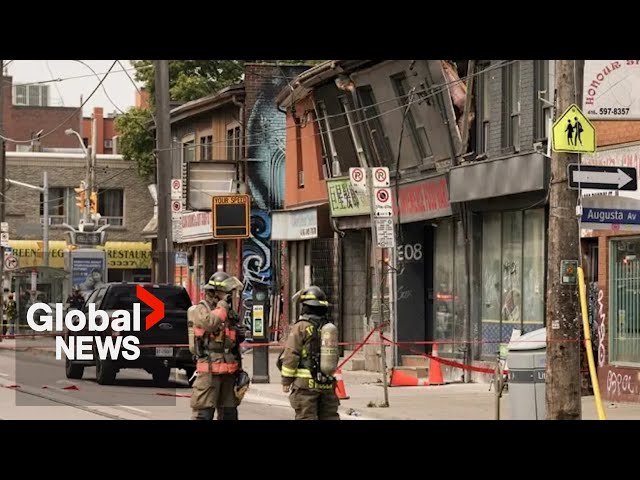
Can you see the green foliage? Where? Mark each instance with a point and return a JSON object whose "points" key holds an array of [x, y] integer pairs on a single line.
{"points": [[136, 142], [188, 80], [193, 79]]}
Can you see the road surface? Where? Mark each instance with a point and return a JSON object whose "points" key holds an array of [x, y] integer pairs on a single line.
{"points": [[45, 393]]}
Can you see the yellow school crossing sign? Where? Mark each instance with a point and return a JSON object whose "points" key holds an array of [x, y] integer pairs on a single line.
{"points": [[573, 132]]}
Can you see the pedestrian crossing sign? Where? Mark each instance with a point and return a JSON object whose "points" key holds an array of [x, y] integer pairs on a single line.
{"points": [[573, 132]]}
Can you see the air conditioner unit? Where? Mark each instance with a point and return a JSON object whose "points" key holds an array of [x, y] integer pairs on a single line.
{"points": [[108, 143]]}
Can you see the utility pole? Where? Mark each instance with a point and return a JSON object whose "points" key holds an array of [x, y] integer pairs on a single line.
{"points": [[87, 194], [3, 175], [165, 240], [562, 374], [94, 152]]}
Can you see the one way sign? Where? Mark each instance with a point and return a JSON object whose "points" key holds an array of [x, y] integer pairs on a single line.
{"points": [[600, 177]]}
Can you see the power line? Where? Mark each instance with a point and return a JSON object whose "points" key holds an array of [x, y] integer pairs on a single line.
{"points": [[153, 117], [75, 77], [75, 112], [46, 62], [85, 190], [103, 87], [433, 91]]}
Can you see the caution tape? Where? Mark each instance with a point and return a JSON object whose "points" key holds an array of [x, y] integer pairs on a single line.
{"points": [[445, 361]]}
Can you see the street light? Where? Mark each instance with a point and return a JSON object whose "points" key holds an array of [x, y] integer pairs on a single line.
{"points": [[71, 131], [87, 152]]}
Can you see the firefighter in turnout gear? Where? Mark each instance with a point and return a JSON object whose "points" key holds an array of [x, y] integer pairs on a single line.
{"points": [[215, 341], [304, 373]]}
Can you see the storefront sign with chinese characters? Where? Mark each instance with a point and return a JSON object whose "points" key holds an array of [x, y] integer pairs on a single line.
{"points": [[344, 200]]}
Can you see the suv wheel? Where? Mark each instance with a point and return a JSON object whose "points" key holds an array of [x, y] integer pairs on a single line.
{"points": [[161, 375], [105, 372], [72, 370]]}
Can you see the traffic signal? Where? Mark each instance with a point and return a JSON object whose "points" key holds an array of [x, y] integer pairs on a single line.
{"points": [[80, 197], [93, 201]]}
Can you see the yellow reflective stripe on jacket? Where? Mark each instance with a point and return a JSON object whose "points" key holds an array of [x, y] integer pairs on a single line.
{"points": [[288, 372], [303, 373], [298, 373]]}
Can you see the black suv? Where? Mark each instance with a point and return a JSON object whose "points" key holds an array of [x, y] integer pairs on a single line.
{"points": [[158, 360]]}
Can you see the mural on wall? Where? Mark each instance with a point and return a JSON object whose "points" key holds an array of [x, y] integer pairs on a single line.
{"points": [[265, 137]]}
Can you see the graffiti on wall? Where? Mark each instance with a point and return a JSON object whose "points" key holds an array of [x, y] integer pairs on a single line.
{"points": [[256, 260], [266, 136], [601, 333], [620, 384]]}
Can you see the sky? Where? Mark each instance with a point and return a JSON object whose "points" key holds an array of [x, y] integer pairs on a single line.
{"points": [[67, 92]]}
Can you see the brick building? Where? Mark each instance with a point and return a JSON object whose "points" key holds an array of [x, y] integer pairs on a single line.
{"points": [[105, 131], [123, 202], [27, 111]]}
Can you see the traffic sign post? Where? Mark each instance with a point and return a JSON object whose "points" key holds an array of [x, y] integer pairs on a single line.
{"points": [[601, 177], [10, 263], [573, 132], [358, 178], [176, 189]]}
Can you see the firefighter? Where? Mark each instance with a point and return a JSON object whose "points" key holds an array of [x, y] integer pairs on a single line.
{"points": [[311, 384], [215, 342]]}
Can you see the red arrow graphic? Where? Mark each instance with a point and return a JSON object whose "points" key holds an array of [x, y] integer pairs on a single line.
{"points": [[156, 305]]}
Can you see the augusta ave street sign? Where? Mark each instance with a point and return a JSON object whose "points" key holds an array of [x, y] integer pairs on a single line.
{"points": [[610, 216]]}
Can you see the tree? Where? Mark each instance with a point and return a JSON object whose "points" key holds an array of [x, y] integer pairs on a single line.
{"points": [[136, 141], [192, 79], [188, 80]]}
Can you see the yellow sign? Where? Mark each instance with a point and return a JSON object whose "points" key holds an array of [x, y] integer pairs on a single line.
{"points": [[29, 253], [573, 132], [120, 255]]}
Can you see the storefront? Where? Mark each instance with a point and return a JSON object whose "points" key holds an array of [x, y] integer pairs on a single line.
{"points": [[350, 210], [310, 251], [126, 261], [507, 233], [422, 250], [613, 255]]}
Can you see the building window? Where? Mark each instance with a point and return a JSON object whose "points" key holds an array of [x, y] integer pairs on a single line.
{"points": [[541, 109], [234, 151], [63, 206], [373, 125], [417, 132], [624, 301], [483, 86], [111, 206], [32, 95], [325, 130], [206, 147], [353, 129], [188, 151], [511, 106], [449, 286], [513, 275]]}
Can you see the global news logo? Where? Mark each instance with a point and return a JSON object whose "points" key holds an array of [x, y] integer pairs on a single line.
{"points": [[106, 341]]}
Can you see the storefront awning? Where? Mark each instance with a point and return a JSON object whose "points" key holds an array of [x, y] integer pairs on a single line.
{"points": [[120, 255]]}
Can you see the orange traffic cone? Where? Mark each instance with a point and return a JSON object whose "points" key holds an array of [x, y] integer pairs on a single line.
{"points": [[400, 378], [341, 392], [435, 370]]}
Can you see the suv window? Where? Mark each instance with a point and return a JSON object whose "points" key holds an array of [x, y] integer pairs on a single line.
{"points": [[124, 296]]}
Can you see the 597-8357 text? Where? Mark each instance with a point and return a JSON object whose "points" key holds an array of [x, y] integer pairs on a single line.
{"points": [[613, 111]]}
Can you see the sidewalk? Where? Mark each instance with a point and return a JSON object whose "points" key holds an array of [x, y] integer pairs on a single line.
{"points": [[457, 401]]}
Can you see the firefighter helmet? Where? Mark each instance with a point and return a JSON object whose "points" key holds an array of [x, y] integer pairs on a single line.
{"points": [[242, 384], [223, 281], [314, 297]]}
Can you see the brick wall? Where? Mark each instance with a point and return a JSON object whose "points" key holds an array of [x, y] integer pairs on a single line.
{"points": [[23, 204], [612, 132]]}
